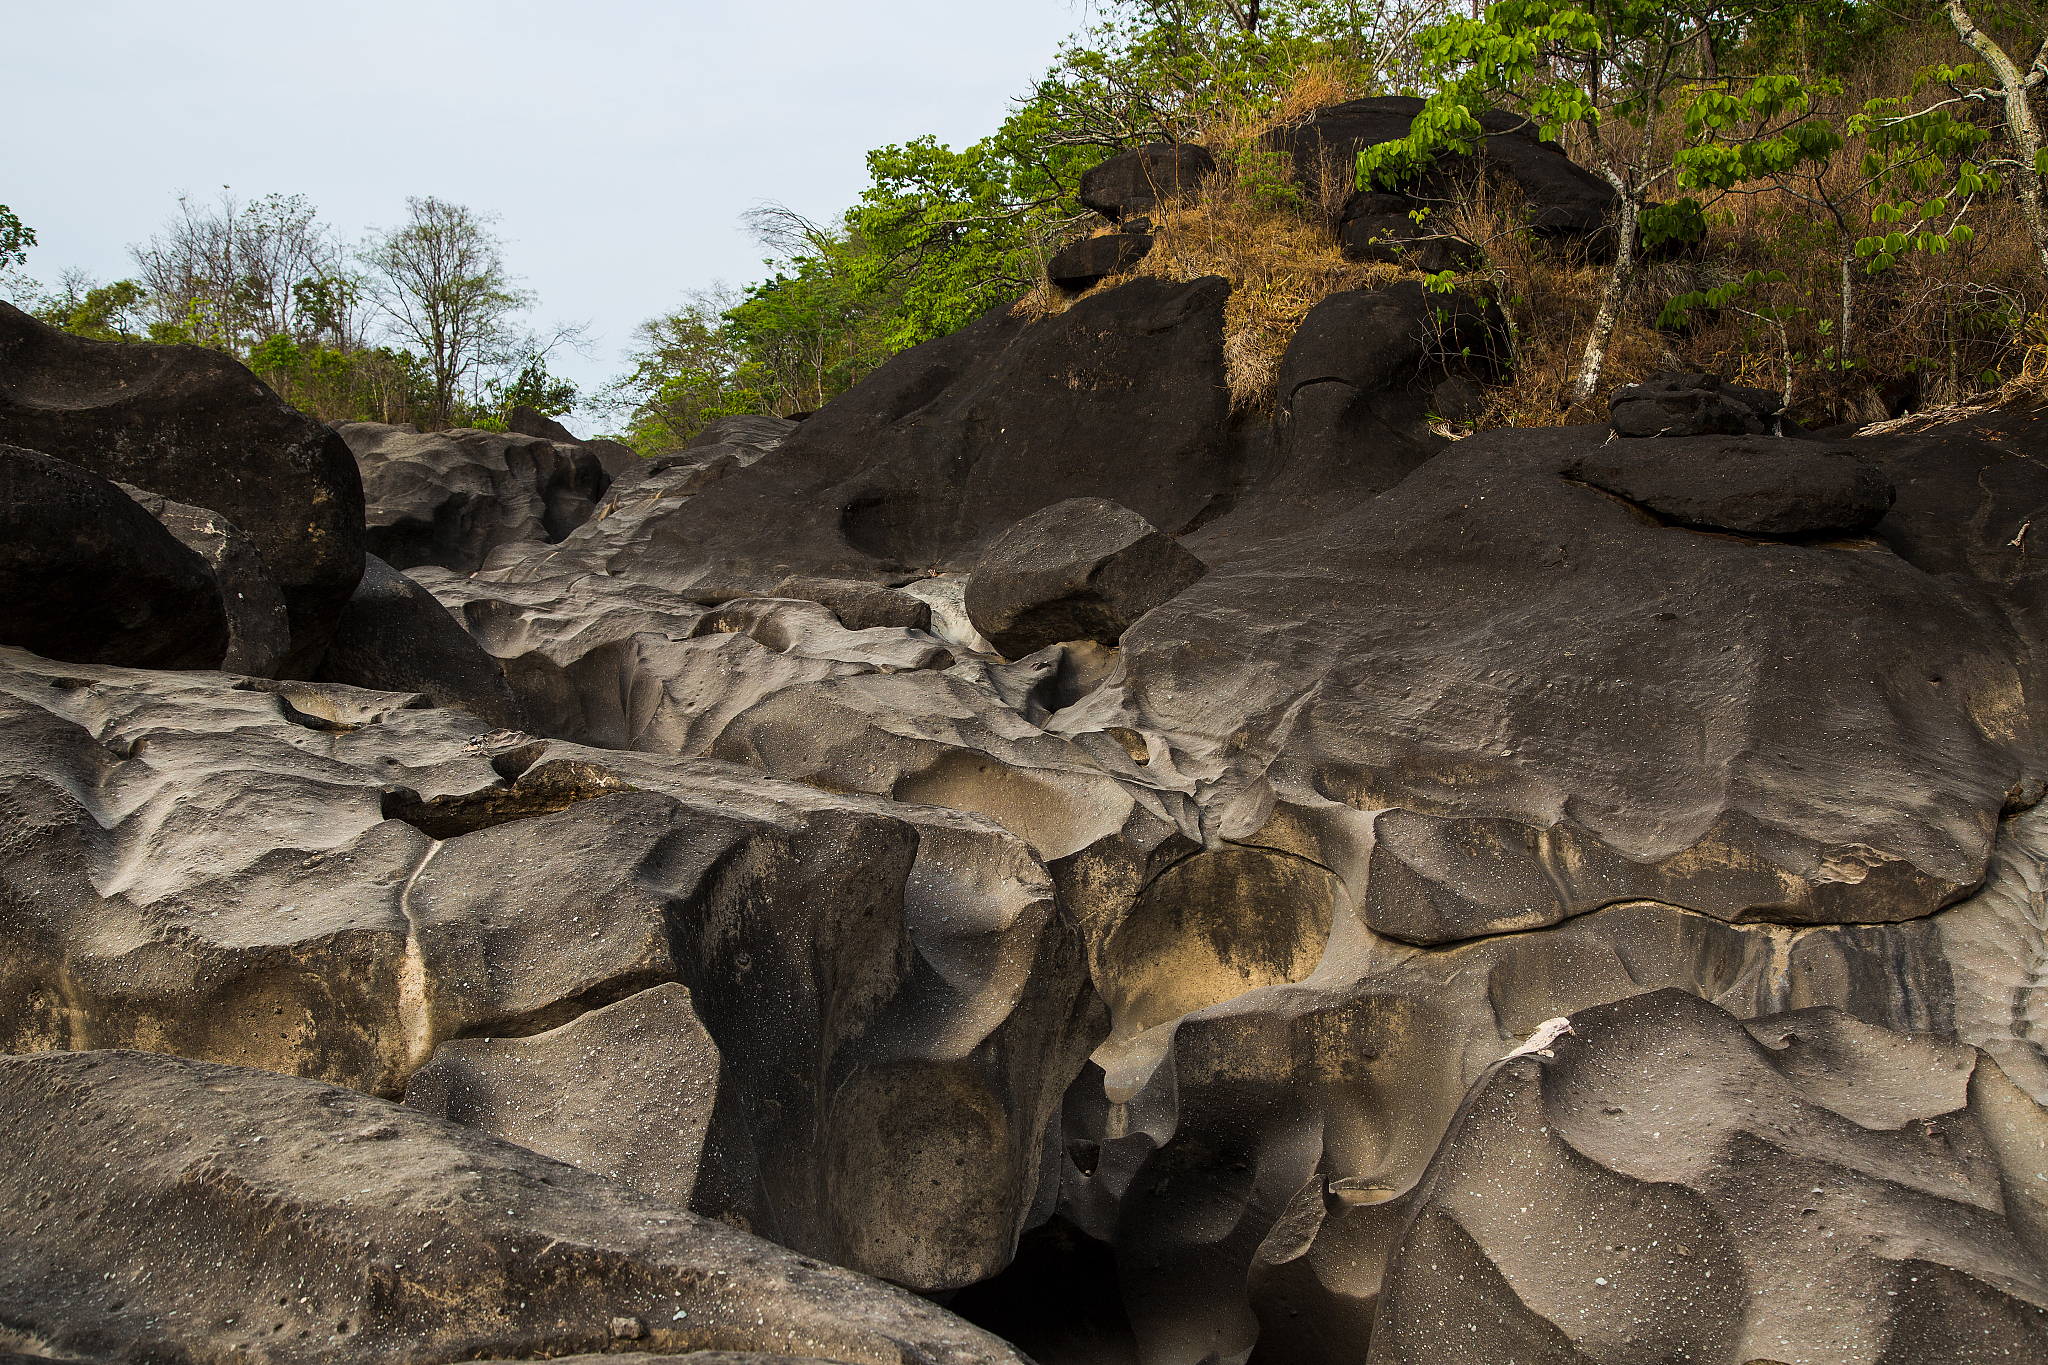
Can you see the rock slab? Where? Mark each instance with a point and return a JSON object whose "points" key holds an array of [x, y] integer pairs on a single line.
{"points": [[1083, 569]]}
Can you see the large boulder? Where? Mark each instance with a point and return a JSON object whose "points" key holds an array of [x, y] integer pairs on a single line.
{"points": [[1665, 1182], [1669, 404], [1083, 569], [448, 498], [1563, 199], [1757, 485], [1088, 262], [951, 442], [289, 1220], [1357, 388], [1143, 178], [259, 627], [195, 426], [615, 457], [394, 637], [87, 576]]}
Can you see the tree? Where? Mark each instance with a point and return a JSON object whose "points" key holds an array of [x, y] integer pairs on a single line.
{"points": [[1611, 70], [2017, 90], [105, 312], [16, 237], [440, 280], [227, 275], [689, 369]]}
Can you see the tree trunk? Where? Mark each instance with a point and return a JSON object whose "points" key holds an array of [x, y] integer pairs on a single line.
{"points": [[2020, 123], [1612, 296]]}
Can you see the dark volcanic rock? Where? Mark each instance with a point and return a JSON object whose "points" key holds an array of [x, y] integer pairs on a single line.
{"points": [[1692, 405], [1145, 177], [1678, 1184], [195, 426], [1088, 262], [1651, 712], [956, 440], [1756, 486], [758, 431], [394, 637], [292, 1221], [1563, 198], [88, 576], [1083, 569], [449, 498], [259, 627], [1400, 240], [614, 456], [1356, 390]]}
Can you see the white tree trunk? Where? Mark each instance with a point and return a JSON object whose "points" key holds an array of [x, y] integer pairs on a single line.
{"points": [[1613, 295], [2020, 123]]}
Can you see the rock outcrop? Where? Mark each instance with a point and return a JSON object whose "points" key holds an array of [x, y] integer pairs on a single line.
{"points": [[1562, 198], [1155, 948], [1693, 405], [87, 576], [259, 626], [193, 425], [450, 498], [289, 1220], [1143, 178], [1084, 569], [395, 637]]}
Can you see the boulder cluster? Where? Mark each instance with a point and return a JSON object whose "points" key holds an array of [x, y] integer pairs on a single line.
{"points": [[1404, 218], [1023, 862]]}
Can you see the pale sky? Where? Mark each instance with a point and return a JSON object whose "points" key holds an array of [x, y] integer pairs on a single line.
{"points": [[617, 140]]}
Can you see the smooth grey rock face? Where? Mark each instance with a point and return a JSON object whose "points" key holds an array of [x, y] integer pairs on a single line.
{"points": [[1806, 1188], [1084, 569], [449, 498], [394, 637], [409, 877], [289, 1220], [88, 576]]}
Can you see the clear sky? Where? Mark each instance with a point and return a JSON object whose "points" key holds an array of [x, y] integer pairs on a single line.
{"points": [[617, 140]]}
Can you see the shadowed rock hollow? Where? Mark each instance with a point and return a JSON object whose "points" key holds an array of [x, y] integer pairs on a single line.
{"points": [[1142, 982]]}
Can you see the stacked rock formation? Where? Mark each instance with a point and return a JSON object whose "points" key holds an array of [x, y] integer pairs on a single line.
{"points": [[1024, 836]]}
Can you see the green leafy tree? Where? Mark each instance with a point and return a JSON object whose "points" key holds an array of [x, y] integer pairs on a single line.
{"points": [[16, 237], [689, 369], [2017, 88], [1611, 71], [441, 282], [105, 312]]}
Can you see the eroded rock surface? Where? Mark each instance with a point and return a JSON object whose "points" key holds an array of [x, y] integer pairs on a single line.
{"points": [[449, 498], [1083, 569], [1805, 1189], [1151, 990], [290, 1220]]}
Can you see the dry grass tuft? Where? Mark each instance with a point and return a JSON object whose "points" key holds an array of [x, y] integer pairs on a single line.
{"points": [[1271, 239]]}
